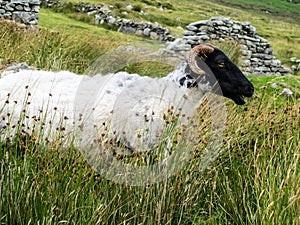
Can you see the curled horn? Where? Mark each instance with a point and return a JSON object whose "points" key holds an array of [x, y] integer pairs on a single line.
{"points": [[203, 49]]}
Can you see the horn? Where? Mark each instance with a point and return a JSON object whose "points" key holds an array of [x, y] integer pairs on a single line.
{"points": [[203, 49]]}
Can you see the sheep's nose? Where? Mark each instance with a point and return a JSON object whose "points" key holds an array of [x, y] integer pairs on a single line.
{"points": [[249, 90]]}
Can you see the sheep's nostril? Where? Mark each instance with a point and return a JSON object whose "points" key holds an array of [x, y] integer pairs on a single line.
{"points": [[249, 90]]}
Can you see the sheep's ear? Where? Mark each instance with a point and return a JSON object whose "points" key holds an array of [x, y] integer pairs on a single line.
{"points": [[199, 53]]}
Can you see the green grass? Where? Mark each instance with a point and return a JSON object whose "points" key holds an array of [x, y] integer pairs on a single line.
{"points": [[276, 7], [255, 180], [68, 45]]}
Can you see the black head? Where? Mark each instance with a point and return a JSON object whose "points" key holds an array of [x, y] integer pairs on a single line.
{"points": [[217, 68]]}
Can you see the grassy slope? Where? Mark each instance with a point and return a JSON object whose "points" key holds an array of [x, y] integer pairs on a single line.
{"points": [[282, 31], [254, 181]]}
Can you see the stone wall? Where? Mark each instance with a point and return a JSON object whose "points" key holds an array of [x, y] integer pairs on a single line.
{"points": [[21, 11], [51, 3], [257, 53], [103, 15]]}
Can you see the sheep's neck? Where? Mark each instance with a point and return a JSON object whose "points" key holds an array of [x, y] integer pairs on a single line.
{"points": [[185, 79]]}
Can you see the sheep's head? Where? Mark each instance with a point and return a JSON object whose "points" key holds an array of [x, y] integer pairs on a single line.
{"points": [[207, 61]]}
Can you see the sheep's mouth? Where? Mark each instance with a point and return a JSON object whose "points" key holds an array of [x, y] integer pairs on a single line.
{"points": [[239, 100]]}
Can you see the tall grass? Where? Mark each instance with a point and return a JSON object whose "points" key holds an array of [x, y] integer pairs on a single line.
{"points": [[254, 181], [46, 49]]}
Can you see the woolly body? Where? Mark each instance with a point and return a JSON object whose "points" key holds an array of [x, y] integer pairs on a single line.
{"points": [[124, 106], [128, 106]]}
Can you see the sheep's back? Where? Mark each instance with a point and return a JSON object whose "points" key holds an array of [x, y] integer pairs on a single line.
{"points": [[28, 98]]}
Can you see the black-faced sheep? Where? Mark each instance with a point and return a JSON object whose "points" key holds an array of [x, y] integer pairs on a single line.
{"points": [[121, 105]]}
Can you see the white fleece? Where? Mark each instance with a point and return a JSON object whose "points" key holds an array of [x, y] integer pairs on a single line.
{"points": [[125, 106]]}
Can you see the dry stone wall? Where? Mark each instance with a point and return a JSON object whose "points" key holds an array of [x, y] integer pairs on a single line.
{"points": [[103, 15], [257, 53], [21, 11]]}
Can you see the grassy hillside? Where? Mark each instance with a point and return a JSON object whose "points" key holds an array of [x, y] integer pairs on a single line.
{"points": [[278, 8], [281, 27], [255, 179]]}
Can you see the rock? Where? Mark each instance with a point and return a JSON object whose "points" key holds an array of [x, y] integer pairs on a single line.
{"points": [[236, 27], [262, 40], [204, 37], [9, 7], [254, 60], [194, 38], [19, 7], [269, 51], [275, 63], [267, 57], [251, 38], [191, 28], [34, 2], [111, 20], [260, 50], [130, 7], [178, 45], [198, 23], [154, 35], [262, 69], [252, 29], [147, 32], [213, 36], [128, 30], [223, 28], [246, 63], [23, 17], [139, 32], [287, 92], [28, 9], [244, 47], [274, 85], [285, 70], [16, 68], [188, 33]]}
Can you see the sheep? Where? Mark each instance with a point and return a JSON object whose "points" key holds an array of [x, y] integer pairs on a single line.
{"points": [[128, 107]]}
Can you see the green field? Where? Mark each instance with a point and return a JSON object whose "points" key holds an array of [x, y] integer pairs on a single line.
{"points": [[255, 179]]}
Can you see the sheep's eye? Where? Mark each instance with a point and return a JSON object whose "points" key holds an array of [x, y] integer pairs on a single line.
{"points": [[221, 65]]}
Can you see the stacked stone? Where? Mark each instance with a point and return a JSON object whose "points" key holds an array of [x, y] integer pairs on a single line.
{"points": [[147, 29], [257, 53], [104, 15], [21, 11], [51, 3]]}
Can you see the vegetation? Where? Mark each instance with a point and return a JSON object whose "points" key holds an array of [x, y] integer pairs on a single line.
{"points": [[255, 180], [280, 26]]}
